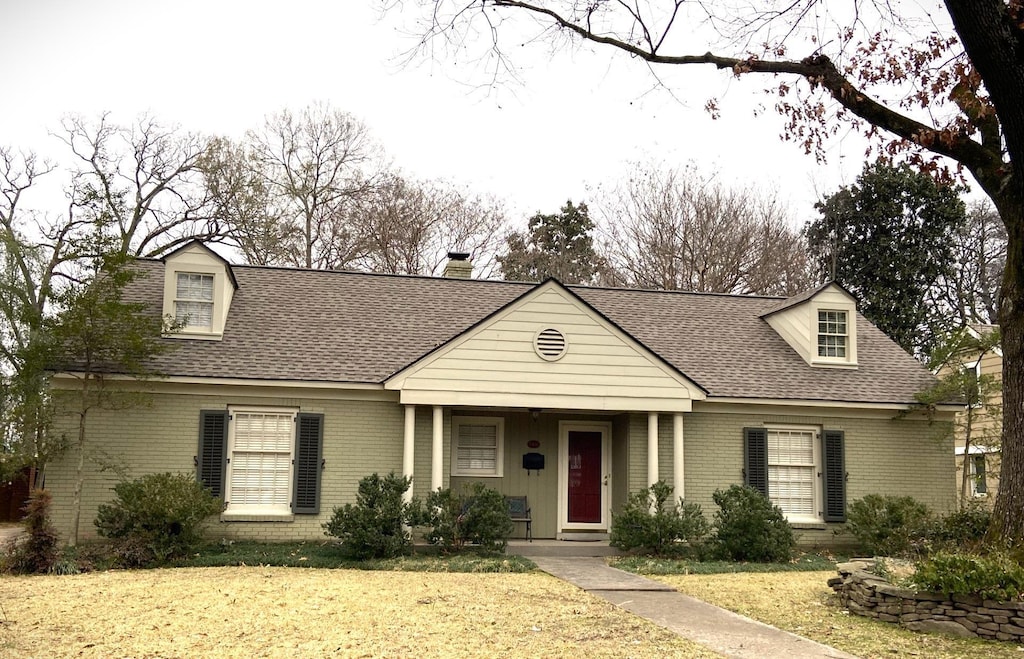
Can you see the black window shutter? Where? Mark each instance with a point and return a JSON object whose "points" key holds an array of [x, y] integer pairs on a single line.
{"points": [[212, 458], [755, 459], [834, 475], [309, 448]]}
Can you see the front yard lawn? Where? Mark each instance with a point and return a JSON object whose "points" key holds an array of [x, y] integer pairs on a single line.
{"points": [[802, 603], [272, 611]]}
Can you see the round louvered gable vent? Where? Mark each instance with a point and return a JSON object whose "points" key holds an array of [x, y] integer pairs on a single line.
{"points": [[550, 344]]}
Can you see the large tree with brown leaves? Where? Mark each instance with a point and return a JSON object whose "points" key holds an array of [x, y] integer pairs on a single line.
{"points": [[944, 86]]}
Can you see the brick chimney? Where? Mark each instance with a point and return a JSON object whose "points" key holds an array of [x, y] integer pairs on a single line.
{"points": [[458, 266]]}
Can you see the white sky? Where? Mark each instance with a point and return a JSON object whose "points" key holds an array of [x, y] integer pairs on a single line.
{"points": [[219, 66]]}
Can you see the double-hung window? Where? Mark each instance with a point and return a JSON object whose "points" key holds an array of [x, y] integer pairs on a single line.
{"points": [[193, 301], [793, 468], [477, 446], [259, 468], [833, 334]]}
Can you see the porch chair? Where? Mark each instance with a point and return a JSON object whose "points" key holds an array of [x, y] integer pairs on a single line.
{"points": [[519, 511]]}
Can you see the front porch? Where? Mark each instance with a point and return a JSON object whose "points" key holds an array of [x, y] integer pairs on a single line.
{"points": [[575, 467]]}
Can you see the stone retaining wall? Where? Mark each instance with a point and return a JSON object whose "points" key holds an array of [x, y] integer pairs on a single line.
{"points": [[867, 594]]}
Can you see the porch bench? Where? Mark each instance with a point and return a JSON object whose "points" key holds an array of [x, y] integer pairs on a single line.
{"points": [[519, 511]]}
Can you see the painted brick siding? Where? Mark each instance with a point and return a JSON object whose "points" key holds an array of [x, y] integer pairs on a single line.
{"points": [[885, 456], [360, 437]]}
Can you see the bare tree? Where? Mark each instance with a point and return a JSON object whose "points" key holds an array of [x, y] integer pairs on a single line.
{"points": [[242, 201], [315, 165], [143, 181], [969, 293], [408, 227], [674, 229]]}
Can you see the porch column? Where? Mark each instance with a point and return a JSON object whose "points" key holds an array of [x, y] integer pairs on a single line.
{"points": [[652, 448], [437, 451], [408, 449], [677, 458]]}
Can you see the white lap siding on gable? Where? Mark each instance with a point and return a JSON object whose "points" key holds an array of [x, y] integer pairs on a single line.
{"points": [[600, 361]]}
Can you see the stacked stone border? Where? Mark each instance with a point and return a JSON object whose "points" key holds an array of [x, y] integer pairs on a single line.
{"points": [[865, 593]]}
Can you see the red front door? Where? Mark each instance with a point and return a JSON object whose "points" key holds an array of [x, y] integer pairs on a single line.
{"points": [[585, 476]]}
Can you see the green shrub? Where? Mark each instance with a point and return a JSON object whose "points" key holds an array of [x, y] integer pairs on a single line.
{"points": [[994, 577], [376, 526], [888, 525], [667, 531], [962, 529], [156, 518], [749, 528], [477, 515], [37, 552]]}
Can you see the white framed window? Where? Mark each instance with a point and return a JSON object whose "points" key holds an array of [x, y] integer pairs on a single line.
{"points": [[833, 334], [193, 301], [261, 444], [979, 486], [972, 370], [478, 446], [794, 472]]}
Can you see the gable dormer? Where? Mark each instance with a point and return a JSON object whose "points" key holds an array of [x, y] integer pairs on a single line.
{"points": [[198, 288], [821, 326]]}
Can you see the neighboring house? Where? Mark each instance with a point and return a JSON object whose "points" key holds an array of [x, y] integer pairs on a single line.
{"points": [[982, 462], [286, 387]]}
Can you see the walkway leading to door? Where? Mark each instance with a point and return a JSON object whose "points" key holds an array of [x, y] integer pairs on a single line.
{"points": [[723, 631]]}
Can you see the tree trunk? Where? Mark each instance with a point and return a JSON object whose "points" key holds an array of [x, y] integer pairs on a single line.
{"points": [[76, 498], [1008, 515]]}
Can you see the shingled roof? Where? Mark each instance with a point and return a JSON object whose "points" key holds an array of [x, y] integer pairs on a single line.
{"points": [[348, 327]]}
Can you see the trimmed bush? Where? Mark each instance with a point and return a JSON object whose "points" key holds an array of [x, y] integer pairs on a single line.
{"points": [[749, 528], [888, 525], [993, 577], [156, 518], [376, 525], [650, 526], [477, 515], [38, 552]]}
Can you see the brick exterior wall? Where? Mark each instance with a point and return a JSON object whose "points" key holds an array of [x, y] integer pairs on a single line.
{"points": [[361, 437]]}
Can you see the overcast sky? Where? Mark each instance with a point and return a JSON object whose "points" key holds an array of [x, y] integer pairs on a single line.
{"points": [[220, 66]]}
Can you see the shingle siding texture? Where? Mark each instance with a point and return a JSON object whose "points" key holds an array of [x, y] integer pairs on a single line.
{"points": [[311, 325]]}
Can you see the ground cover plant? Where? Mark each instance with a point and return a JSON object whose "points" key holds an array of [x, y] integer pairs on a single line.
{"points": [[648, 565], [282, 612], [326, 555]]}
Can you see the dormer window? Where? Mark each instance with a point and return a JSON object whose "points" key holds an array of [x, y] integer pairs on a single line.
{"points": [[833, 335], [193, 301], [820, 325], [198, 288]]}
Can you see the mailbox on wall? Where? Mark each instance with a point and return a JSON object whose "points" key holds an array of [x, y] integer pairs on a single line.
{"points": [[532, 461]]}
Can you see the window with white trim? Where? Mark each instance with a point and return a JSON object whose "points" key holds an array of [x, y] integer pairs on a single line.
{"points": [[979, 488], [193, 301], [833, 334], [477, 446], [972, 385], [794, 472], [259, 469]]}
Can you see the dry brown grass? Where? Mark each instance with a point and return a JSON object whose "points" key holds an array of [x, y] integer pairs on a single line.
{"points": [[268, 612], [801, 602]]}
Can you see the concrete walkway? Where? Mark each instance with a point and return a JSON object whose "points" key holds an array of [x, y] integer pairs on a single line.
{"points": [[723, 631]]}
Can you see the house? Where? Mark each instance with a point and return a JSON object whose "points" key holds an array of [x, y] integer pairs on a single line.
{"points": [[982, 456], [285, 387]]}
